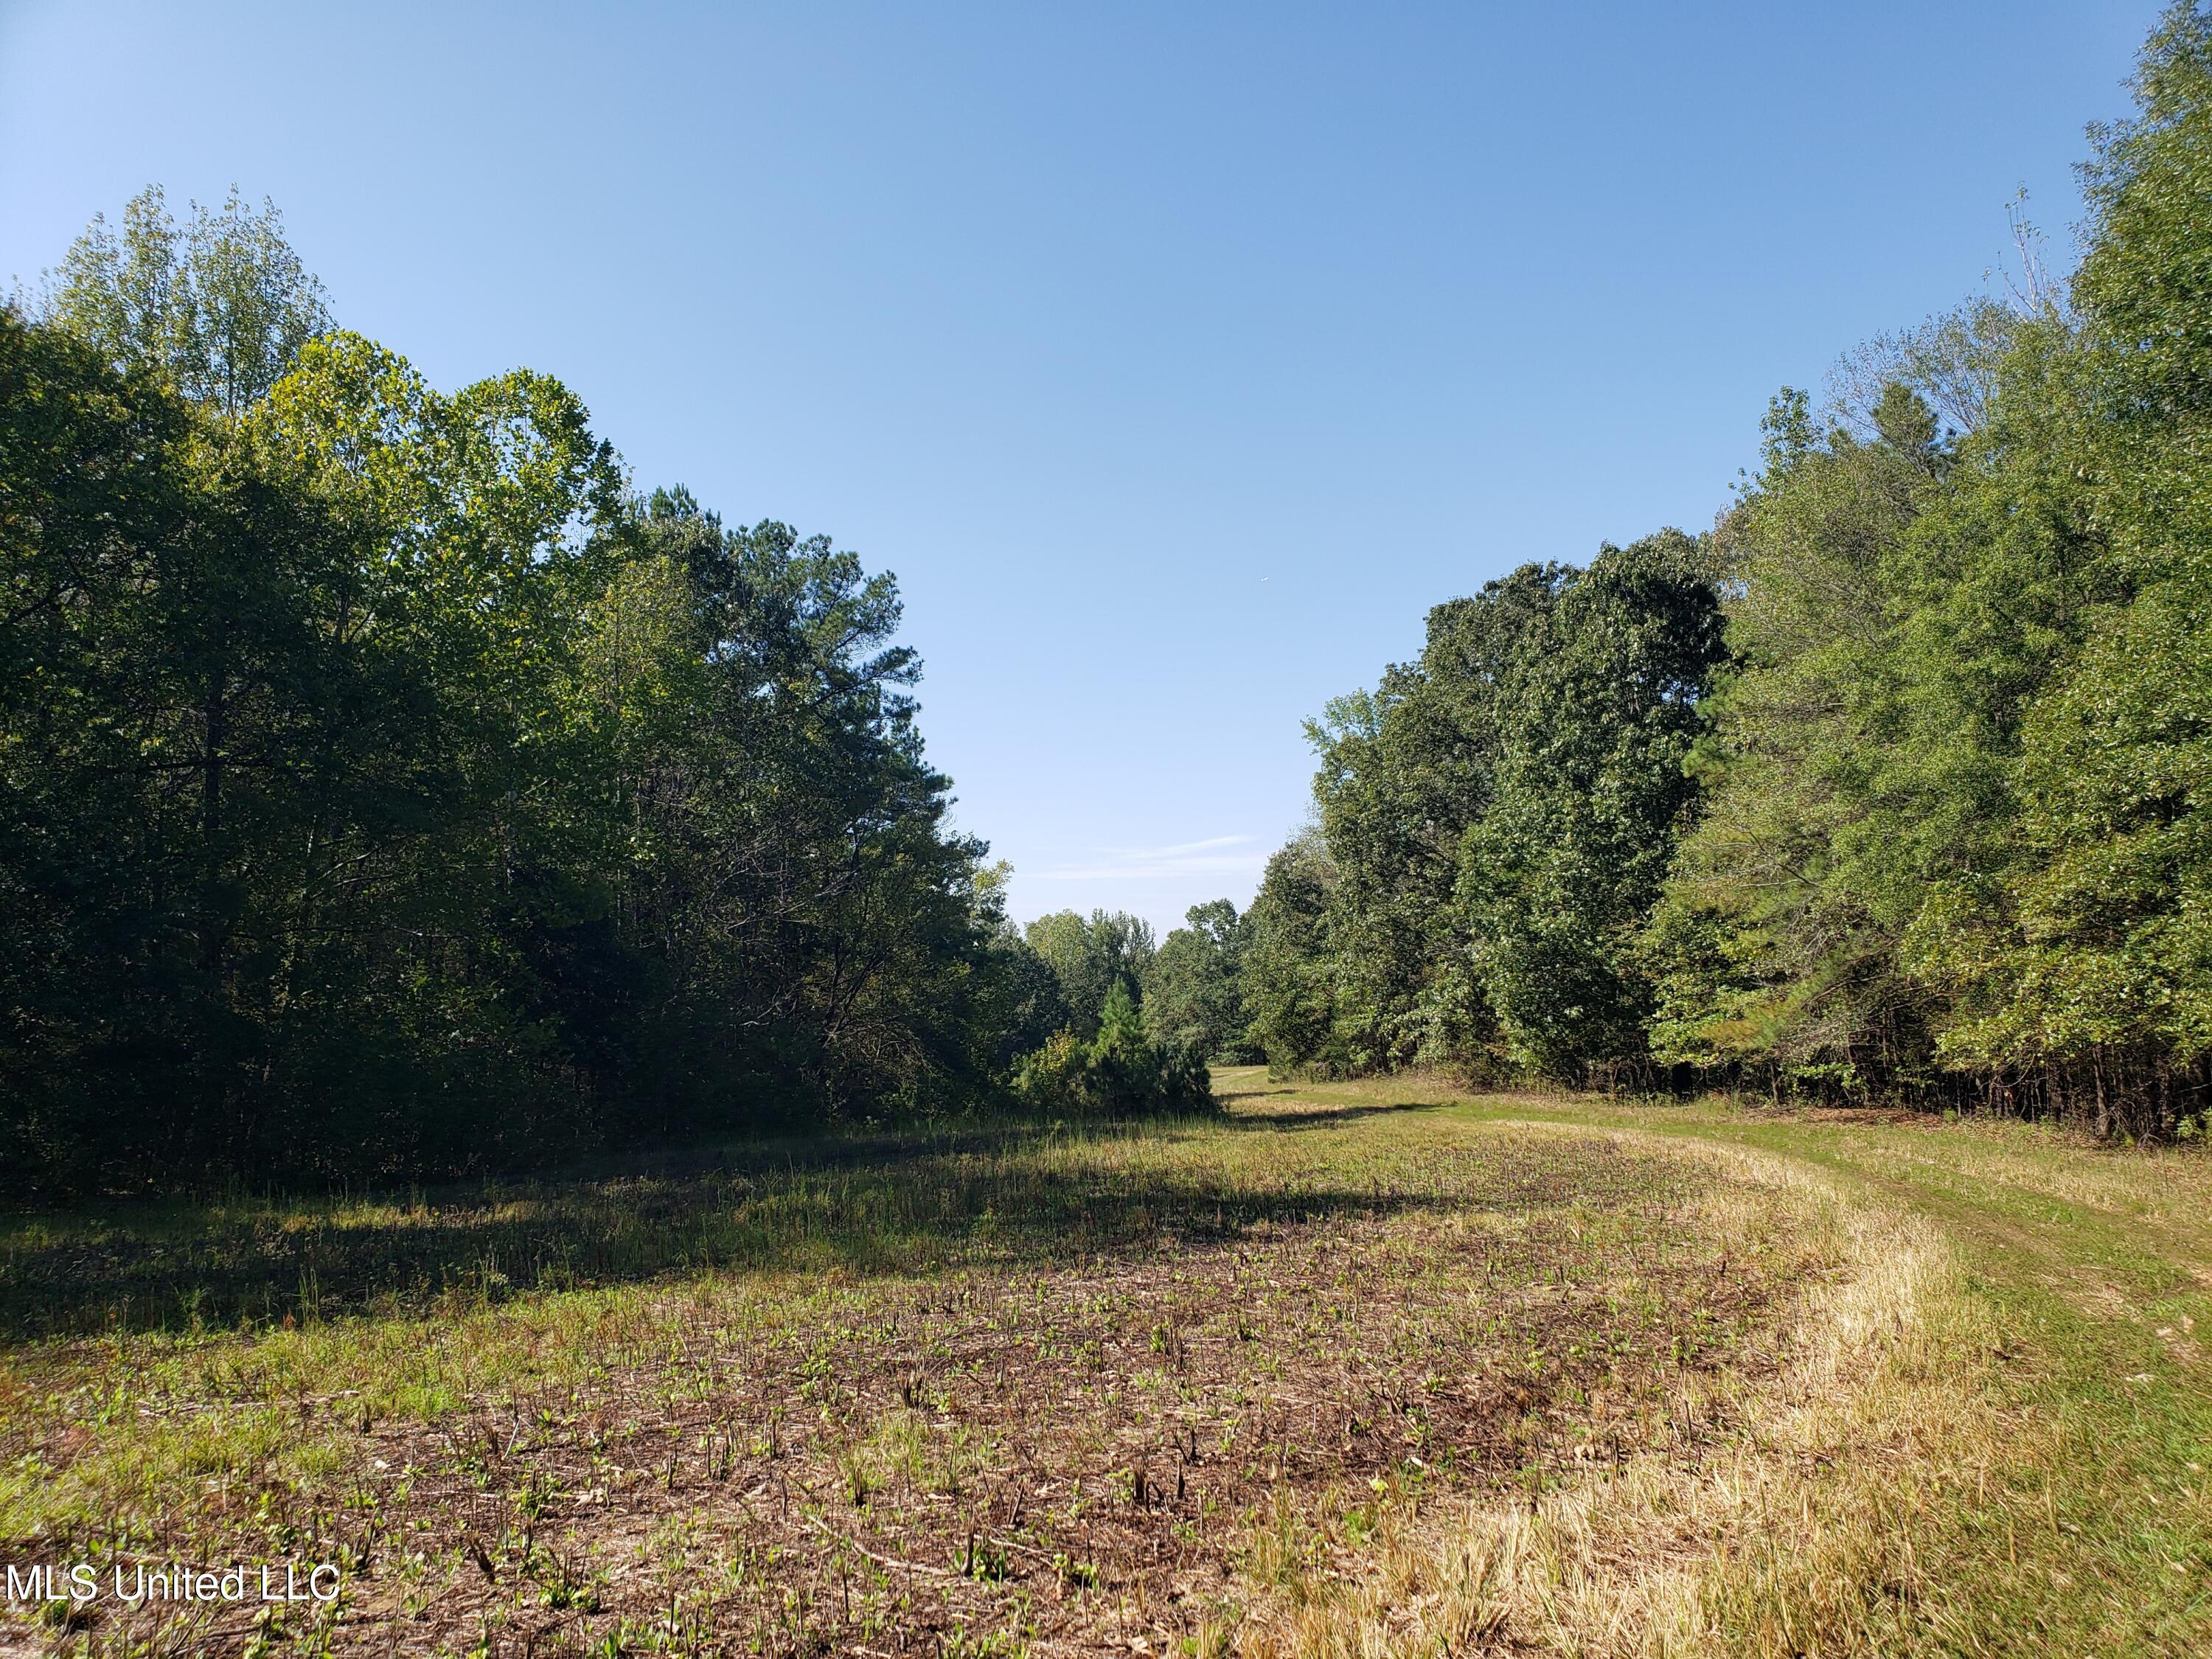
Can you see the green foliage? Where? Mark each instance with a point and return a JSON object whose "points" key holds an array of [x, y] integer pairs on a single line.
{"points": [[1090, 955], [1288, 988], [1956, 840], [1131, 1072], [1023, 1003], [1193, 993], [1929, 821], [389, 790], [1497, 819], [1404, 771], [223, 307], [2088, 950], [1121, 1071], [1777, 944], [1600, 709]]}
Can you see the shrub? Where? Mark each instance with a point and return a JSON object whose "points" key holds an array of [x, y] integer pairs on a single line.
{"points": [[1120, 1072]]}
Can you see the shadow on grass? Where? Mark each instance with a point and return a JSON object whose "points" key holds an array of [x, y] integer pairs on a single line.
{"points": [[1011, 1196], [1328, 1117]]}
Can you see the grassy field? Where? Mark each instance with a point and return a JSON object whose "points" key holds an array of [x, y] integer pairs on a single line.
{"points": [[1356, 1368]]}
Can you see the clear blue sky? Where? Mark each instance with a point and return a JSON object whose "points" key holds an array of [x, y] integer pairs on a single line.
{"points": [[1176, 357]]}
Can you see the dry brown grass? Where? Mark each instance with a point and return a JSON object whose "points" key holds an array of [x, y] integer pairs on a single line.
{"points": [[1760, 1536], [1989, 1435]]}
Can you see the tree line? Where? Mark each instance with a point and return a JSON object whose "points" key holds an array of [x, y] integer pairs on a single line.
{"points": [[392, 789], [1897, 783], [1135, 1020]]}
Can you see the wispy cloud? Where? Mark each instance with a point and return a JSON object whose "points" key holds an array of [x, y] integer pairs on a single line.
{"points": [[1217, 856]]}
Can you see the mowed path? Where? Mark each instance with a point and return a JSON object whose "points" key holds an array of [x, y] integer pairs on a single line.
{"points": [[1355, 1368]]}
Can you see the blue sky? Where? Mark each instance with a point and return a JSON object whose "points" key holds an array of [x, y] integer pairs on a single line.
{"points": [[1177, 358]]}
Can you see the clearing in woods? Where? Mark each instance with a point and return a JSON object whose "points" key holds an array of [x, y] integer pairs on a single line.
{"points": [[1360, 1368]]}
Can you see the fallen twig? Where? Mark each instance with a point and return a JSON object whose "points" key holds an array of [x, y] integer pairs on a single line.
{"points": [[829, 1531]]}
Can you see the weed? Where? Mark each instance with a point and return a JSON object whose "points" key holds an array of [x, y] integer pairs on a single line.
{"points": [[1355, 1368]]}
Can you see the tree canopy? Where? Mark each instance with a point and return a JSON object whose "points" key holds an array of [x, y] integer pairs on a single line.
{"points": [[1895, 783], [390, 788]]}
